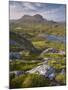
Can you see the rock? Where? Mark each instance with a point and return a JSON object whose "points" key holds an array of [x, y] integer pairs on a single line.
{"points": [[15, 55], [45, 70], [49, 50], [17, 73]]}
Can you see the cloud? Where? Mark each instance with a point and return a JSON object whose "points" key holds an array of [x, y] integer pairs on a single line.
{"points": [[49, 11]]}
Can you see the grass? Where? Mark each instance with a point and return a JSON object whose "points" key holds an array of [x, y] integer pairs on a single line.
{"points": [[17, 65], [61, 79], [58, 64], [37, 28], [29, 80], [53, 55], [42, 44], [31, 31], [39, 44]]}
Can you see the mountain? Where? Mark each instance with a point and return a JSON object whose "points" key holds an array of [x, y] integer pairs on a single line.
{"points": [[27, 18], [37, 18]]}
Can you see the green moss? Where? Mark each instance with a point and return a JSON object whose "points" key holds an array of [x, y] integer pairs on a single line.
{"points": [[58, 64], [20, 65]]}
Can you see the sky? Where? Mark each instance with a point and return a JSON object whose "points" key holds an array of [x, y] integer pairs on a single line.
{"points": [[54, 12]]}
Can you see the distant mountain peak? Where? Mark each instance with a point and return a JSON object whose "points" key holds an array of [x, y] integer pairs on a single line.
{"points": [[34, 18], [25, 16], [37, 16]]}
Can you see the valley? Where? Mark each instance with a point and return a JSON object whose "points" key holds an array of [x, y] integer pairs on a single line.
{"points": [[37, 52]]}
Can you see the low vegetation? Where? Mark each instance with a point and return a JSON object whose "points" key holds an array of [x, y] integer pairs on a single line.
{"points": [[30, 45], [29, 80], [20, 65]]}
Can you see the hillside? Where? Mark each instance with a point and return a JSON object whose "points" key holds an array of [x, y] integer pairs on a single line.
{"points": [[21, 42], [37, 24]]}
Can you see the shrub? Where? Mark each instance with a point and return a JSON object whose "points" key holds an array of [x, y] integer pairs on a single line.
{"points": [[35, 80], [61, 79], [29, 80]]}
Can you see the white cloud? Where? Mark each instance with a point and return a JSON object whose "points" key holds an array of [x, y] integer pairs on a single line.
{"points": [[29, 6], [18, 9]]}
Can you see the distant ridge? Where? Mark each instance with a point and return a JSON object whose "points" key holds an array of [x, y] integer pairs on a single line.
{"points": [[37, 18], [24, 43]]}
